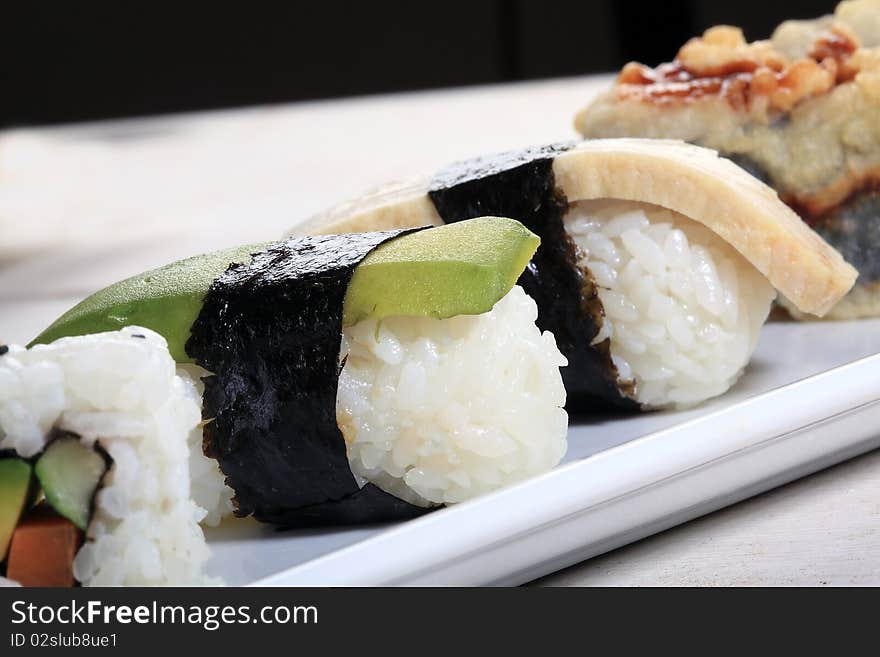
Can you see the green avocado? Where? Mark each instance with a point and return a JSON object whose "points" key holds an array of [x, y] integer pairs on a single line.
{"points": [[69, 473], [15, 491], [458, 269], [166, 300]]}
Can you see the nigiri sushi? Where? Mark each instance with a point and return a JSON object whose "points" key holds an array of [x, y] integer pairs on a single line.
{"points": [[800, 111], [334, 379], [658, 260]]}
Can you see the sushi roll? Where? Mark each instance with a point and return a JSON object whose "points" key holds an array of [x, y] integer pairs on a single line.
{"points": [[799, 111], [658, 260], [320, 380], [103, 426]]}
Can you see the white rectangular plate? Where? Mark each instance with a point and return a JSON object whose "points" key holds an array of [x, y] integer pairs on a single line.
{"points": [[128, 196], [810, 398]]}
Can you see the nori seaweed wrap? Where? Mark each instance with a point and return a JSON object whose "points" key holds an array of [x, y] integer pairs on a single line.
{"points": [[521, 184]]}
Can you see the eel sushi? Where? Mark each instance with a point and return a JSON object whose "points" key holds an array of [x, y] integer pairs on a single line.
{"points": [[801, 111], [658, 260], [320, 380]]}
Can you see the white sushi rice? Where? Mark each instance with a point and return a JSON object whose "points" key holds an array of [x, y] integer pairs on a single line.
{"points": [[208, 486], [121, 390], [683, 309], [441, 410]]}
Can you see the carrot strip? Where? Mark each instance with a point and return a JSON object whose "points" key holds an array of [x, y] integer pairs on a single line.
{"points": [[42, 549]]}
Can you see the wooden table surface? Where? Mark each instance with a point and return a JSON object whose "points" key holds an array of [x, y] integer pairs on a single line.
{"points": [[83, 206]]}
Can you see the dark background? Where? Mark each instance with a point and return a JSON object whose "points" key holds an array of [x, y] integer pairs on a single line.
{"points": [[73, 61]]}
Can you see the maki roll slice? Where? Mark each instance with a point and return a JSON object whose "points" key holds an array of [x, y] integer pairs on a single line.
{"points": [[320, 380], [799, 111], [106, 426], [658, 260]]}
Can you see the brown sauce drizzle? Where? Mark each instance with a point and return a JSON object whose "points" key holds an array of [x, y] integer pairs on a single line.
{"points": [[742, 80]]}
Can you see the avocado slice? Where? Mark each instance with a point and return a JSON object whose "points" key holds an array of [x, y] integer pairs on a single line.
{"points": [[69, 473], [458, 269], [166, 300], [15, 491]]}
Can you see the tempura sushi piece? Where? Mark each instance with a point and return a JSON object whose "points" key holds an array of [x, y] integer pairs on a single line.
{"points": [[102, 425], [800, 111], [357, 378], [658, 260]]}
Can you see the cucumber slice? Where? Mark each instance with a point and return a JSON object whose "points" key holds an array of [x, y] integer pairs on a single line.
{"points": [[15, 487], [69, 473]]}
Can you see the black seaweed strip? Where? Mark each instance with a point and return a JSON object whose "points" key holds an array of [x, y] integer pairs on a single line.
{"points": [[270, 332], [853, 228], [521, 185], [749, 165]]}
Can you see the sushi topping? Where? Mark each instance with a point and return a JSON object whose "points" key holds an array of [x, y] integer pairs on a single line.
{"points": [[458, 269], [748, 75], [522, 185], [270, 333], [165, 300]]}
